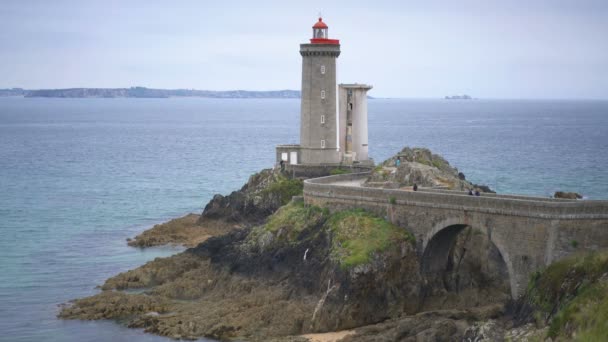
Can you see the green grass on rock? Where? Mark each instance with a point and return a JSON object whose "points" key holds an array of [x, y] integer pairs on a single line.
{"points": [[295, 217], [574, 291], [339, 171], [358, 234], [285, 188]]}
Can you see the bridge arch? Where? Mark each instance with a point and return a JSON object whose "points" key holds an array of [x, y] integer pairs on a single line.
{"points": [[440, 239]]}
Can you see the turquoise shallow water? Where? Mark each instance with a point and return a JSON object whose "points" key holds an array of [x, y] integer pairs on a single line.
{"points": [[79, 176]]}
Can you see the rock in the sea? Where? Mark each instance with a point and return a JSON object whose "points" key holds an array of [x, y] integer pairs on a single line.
{"points": [[567, 195]]}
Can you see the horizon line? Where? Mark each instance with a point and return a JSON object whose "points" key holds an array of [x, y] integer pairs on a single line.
{"points": [[375, 97]]}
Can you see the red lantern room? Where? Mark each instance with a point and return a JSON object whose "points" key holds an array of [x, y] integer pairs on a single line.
{"points": [[319, 34]]}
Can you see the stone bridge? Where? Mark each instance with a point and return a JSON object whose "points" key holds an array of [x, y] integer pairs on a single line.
{"points": [[529, 232]]}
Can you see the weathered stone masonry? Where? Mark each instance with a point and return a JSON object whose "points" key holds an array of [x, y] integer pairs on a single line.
{"points": [[529, 232]]}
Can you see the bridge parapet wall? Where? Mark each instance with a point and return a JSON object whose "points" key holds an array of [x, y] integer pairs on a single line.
{"points": [[495, 204], [485, 194]]}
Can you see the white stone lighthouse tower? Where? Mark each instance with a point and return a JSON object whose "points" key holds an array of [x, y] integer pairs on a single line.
{"points": [[328, 135]]}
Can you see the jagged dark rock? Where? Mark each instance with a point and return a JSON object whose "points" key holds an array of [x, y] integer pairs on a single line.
{"points": [[484, 188], [261, 196], [567, 195]]}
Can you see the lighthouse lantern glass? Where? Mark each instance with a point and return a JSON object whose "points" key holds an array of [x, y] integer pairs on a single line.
{"points": [[320, 33]]}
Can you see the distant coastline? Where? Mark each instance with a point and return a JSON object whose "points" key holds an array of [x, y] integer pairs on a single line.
{"points": [[459, 97], [143, 92]]}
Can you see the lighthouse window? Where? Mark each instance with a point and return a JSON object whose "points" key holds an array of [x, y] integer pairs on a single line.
{"points": [[323, 94], [322, 119], [322, 143], [323, 69]]}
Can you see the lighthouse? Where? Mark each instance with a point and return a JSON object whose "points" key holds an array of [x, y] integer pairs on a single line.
{"points": [[319, 139], [329, 135]]}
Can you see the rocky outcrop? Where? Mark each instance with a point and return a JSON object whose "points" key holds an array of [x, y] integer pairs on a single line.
{"points": [[567, 195], [570, 297], [306, 270], [421, 167], [440, 325], [261, 196], [186, 231], [115, 305]]}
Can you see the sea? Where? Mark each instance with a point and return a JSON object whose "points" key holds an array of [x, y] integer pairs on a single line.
{"points": [[80, 176]]}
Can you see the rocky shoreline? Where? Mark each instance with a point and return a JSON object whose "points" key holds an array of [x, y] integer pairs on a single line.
{"points": [[263, 267], [188, 231]]}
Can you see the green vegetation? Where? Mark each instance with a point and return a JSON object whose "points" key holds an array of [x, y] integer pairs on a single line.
{"points": [[425, 162], [382, 172], [295, 218], [339, 171], [574, 243], [574, 292], [437, 163], [586, 314], [285, 188], [440, 164], [357, 235], [392, 200]]}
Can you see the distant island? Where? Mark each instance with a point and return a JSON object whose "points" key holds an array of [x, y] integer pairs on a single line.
{"points": [[459, 97], [142, 92]]}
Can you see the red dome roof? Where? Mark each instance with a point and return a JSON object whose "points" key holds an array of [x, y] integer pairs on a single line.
{"points": [[320, 24]]}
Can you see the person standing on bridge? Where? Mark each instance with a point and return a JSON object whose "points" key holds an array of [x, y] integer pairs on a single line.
{"points": [[415, 187]]}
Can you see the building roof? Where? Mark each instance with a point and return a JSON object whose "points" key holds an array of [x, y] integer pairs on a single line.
{"points": [[355, 86], [320, 24]]}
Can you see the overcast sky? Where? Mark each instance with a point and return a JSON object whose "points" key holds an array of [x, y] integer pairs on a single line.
{"points": [[413, 49]]}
